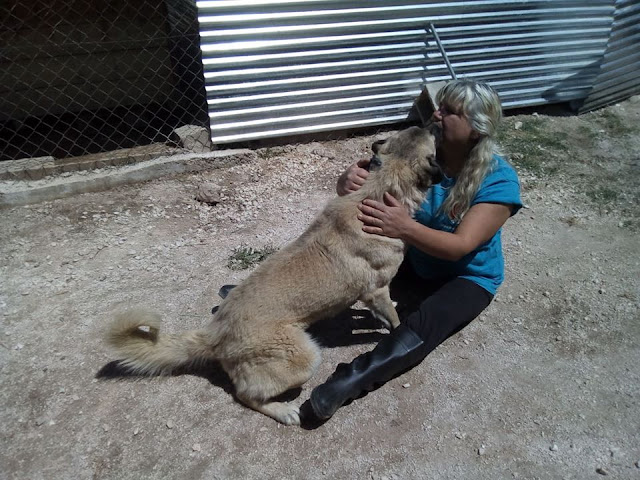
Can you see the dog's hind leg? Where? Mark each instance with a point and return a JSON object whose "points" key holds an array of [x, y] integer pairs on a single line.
{"points": [[381, 306], [281, 367]]}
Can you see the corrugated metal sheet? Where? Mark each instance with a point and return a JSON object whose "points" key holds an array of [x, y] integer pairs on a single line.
{"points": [[276, 68], [619, 76]]}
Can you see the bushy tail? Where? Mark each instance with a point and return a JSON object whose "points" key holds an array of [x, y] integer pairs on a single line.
{"points": [[136, 338]]}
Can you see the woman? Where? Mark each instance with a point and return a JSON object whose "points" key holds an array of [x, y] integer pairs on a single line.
{"points": [[454, 261]]}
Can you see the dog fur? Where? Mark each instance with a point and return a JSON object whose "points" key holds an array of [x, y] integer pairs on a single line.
{"points": [[258, 333]]}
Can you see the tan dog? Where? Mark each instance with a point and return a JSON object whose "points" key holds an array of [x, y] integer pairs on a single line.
{"points": [[258, 333]]}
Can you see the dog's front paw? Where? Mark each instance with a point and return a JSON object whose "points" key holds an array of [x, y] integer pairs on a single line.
{"points": [[288, 415]]}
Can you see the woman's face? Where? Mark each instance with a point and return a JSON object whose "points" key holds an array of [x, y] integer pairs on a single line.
{"points": [[456, 129]]}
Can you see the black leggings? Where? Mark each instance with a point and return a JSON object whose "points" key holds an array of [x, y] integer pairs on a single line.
{"points": [[435, 310]]}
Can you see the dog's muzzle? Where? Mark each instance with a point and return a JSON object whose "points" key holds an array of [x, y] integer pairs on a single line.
{"points": [[375, 163]]}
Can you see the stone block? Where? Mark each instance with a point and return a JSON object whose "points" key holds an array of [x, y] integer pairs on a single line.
{"points": [[193, 138]]}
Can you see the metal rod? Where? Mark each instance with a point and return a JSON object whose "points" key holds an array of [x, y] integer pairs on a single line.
{"points": [[442, 52]]}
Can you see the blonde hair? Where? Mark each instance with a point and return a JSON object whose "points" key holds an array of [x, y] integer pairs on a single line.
{"points": [[481, 105]]}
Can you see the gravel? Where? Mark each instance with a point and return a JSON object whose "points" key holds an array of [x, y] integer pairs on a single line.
{"points": [[544, 384]]}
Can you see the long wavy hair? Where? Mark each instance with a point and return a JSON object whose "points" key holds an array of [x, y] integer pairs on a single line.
{"points": [[480, 104]]}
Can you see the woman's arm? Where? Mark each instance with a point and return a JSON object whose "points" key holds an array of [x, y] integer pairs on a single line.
{"points": [[391, 219], [353, 178]]}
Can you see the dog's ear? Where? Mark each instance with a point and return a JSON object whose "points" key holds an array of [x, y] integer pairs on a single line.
{"points": [[376, 146]]}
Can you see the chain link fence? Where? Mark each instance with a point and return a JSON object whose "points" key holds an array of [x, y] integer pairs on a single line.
{"points": [[88, 76]]}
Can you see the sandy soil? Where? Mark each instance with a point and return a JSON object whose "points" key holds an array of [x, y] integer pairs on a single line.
{"points": [[545, 384]]}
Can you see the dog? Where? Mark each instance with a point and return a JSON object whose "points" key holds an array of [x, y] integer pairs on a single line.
{"points": [[258, 332]]}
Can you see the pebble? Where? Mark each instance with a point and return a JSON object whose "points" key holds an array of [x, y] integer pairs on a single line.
{"points": [[170, 424], [105, 428], [406, 385], [196, 447], [136, 431], [481, 450], [553, 448], [601, 471]]}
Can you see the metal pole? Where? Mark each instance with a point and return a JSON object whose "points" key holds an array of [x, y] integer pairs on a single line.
{"points": [[442, 52]]}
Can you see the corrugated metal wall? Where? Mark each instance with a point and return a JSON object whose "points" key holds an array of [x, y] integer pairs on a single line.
{"points": [[619, 75], [277, 68]]}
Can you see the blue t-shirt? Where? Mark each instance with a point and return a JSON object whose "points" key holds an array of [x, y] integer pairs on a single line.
{"points": [[485, 265]]}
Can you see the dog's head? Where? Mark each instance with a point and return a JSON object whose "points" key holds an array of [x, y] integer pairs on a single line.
{"points": [[415, 147]]}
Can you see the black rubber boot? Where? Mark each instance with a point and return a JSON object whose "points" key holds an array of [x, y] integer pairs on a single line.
{"points": [[222, 293], [395, 353], [224, 290]]}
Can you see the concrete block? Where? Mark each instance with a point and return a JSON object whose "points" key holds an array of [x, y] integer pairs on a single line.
{"points": [[194, 138]]}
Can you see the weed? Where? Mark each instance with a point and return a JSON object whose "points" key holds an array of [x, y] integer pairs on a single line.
{"points": [[532, 146], [532, 125], [602, 195], [613, 124], [244, 257]]}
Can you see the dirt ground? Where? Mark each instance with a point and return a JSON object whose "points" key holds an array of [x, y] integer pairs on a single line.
{"points": [[545, 384]]}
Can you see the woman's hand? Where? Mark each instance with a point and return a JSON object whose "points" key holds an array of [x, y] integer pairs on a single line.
{"points": [[353, 178], [389, 218]]}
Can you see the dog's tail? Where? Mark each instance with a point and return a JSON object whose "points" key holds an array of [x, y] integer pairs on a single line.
{"points": [[135, 336]]}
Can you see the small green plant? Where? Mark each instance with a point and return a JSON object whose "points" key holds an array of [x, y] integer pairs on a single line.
{"points": [[532, 125], [244, 257], [532, 146], [613, 125], [603, 195]]}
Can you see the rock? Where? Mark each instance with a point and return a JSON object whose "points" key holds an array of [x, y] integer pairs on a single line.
{"points": [[601, 471], [196, 447], [209, 194], [170, 424], [553, 448], [517, 125]]}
